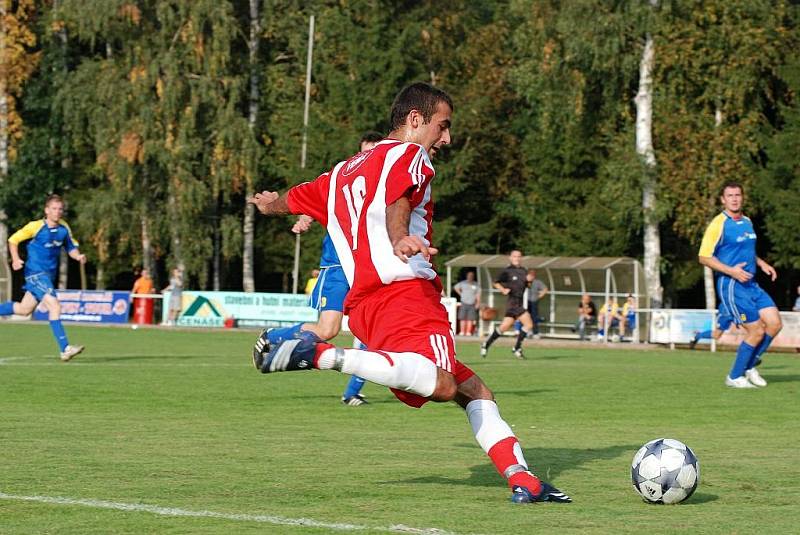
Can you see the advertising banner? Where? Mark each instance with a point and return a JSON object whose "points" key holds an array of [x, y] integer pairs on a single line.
{"points": [[211, 309], [673, 326], [678, 326], [92, 306]]}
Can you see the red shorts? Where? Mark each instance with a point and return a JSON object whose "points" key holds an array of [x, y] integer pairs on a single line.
{"points": [[408, 316]]}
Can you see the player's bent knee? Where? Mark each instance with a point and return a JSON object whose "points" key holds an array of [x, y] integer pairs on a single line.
{"points": [[446, 387]]}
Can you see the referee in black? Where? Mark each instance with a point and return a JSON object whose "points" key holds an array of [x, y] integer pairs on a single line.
{"points": [[512, 281]]}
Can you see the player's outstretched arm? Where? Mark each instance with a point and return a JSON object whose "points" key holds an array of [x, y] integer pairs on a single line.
{"points": [[16, 261], [766, 268], [270, 203], [77, 255], [302, 224]]}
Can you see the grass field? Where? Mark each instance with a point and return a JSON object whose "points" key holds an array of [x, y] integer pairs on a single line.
{"points": [[158, 431]]}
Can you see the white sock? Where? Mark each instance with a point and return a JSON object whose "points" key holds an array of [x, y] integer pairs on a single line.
{"points": [[405, 371], [488, 426]]}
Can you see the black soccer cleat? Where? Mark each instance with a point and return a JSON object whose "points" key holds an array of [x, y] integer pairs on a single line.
{"points": [[294, 354], [355, 401], [548, 493], [261, 349]]}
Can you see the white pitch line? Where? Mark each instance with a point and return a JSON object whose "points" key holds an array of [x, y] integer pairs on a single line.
{"points": [[267, 519]]}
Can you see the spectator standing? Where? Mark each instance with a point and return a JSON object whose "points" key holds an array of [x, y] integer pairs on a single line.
{"points": [[144, 284], [536, 292], [469, 293], [175, 297]]}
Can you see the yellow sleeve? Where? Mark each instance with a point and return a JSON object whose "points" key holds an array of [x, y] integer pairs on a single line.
{"points": [[27, 232], [69, 231], [712, 236]]}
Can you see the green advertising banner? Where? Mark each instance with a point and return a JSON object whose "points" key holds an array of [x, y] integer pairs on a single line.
{"points": [[211, 309]]}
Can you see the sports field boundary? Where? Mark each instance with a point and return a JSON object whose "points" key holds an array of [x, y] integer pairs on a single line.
{"points": [[237, 517]]}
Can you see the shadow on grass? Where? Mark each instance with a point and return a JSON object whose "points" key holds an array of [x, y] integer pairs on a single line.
{"points": [[123, 358], [780, 378], [523, 393], [555, 357], [546, 463], [700, 497]]}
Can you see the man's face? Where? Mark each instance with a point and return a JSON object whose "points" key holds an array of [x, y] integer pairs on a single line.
{"points": [[145, 274], [585, 298], [732, 200], [53, 211], [433, 134], [470, 276], [515, 258]]}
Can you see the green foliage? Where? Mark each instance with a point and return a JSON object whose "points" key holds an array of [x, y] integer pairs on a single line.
{"points": [[140, 110]]}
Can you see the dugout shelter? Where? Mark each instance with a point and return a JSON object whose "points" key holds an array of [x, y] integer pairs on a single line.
{"points": [[567, 278]]}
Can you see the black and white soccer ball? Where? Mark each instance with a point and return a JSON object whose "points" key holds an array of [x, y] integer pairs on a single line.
{"points": [[665, 470]]}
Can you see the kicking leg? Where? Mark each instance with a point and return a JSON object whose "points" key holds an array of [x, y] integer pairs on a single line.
{"points": [[497, 439]]}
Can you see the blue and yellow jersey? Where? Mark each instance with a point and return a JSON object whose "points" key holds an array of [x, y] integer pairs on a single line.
{"points": [[45, 245], [329, 256], [731, 241]]}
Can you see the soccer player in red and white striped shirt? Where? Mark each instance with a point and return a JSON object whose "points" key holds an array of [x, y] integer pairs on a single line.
{"points": [[377, 207]]}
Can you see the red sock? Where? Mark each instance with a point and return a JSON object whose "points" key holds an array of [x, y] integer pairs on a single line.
{"points": [[322, 346], [502, 455]]}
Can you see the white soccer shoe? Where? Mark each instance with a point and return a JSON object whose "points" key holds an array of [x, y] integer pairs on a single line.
{"points": [[754, 377], [69, 352], [739, 382]]}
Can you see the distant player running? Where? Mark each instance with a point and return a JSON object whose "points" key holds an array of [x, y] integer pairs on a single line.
{"points": [[47, 236], [729, 248], [378, 207], [327, 296], [723, 323], [512, 282]]}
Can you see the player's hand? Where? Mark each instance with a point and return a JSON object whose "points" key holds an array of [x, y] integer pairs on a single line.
{"points": [[408, 246], [17, 264], [81, 258], [303, 224], [769, 270], [263, 199], [505, 291], [740, 274]]}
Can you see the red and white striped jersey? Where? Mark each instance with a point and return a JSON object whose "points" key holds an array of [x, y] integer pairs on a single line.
{"points": [[351, 200]]}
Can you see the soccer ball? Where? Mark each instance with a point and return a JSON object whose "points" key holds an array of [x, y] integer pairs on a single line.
{"points": [[665, 470]]}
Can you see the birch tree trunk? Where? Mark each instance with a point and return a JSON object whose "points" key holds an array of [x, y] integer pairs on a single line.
{"points": [[63, 270], [175, 236], [644, 148], [248, 227], [147, 247], [5, 291], [708, 273]]}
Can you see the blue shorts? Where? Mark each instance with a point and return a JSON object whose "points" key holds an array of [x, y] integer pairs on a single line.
{"points": [[330, 290], [742, 301], [724, 320], [39, 285]]}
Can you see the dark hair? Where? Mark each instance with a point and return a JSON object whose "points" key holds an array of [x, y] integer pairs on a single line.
{"points": [[371, 137], [53, 198], [730, 184], [418, 96]]}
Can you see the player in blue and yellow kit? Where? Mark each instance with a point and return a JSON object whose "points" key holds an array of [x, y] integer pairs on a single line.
{"points": [[327, 297], [45, 239], [729, 248]]}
